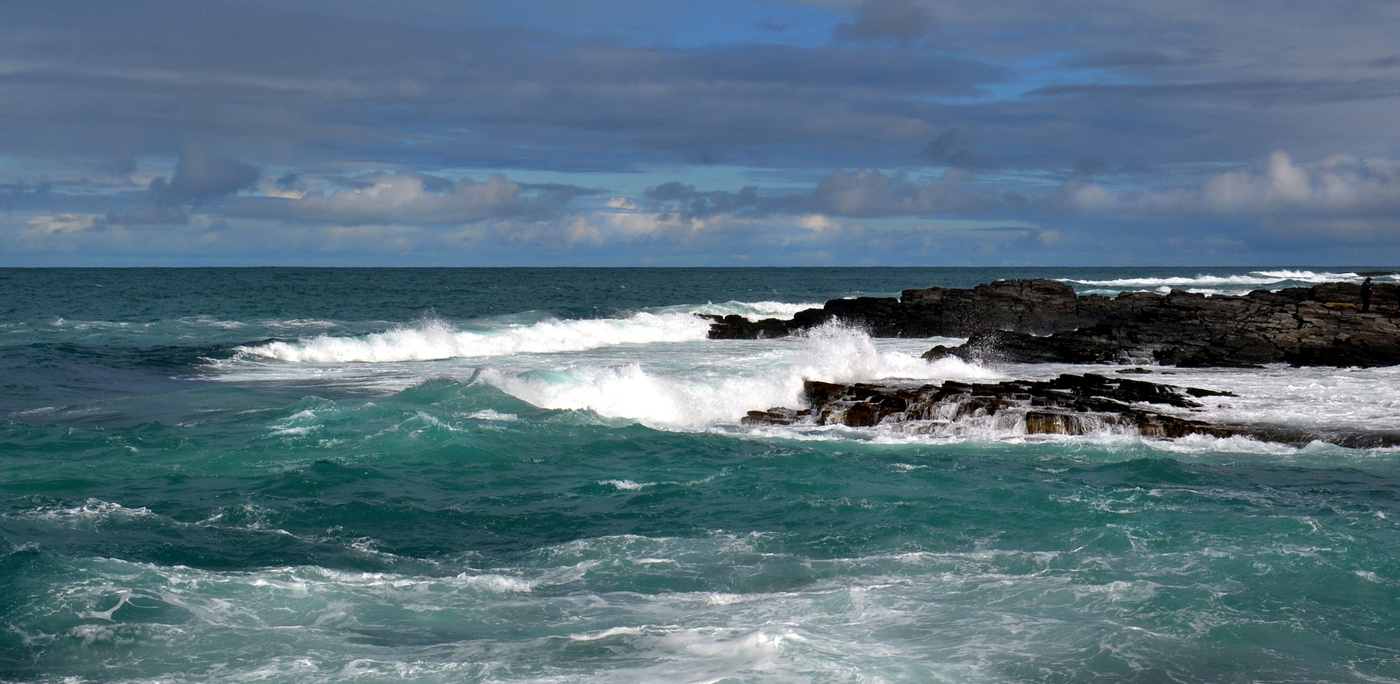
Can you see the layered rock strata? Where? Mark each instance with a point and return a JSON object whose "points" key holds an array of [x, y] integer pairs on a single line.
{"points": [[1066, 405], [1028, 321]]}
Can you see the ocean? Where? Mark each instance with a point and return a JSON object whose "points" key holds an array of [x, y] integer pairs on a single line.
{"points": [[540, 475]]}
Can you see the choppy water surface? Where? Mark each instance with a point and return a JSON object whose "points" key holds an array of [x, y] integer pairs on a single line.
{"points": [[540, 475]]}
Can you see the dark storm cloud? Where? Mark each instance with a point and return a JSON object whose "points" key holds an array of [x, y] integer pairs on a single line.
{"points": [[887, 19], [865, 194], [121, 166], [949, 149], [302, 83], [24, 195], [855, 194], [1125, 58], [273, 81], [202, 174], [150, 215], [1088, 166], [1261, 93]]}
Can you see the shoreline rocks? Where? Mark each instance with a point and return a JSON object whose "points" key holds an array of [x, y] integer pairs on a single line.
{"points": [[1040, 321], [1066, 405]]}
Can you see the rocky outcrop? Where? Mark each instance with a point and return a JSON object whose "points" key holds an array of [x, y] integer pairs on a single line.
{"points": [[1031, 321], [1035, 306], [1066, 405]]}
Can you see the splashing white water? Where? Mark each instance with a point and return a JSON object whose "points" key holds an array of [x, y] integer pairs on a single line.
{"points": [[723, 393], [752, 310], [435, 340], [1232, 282], [658, 368]]}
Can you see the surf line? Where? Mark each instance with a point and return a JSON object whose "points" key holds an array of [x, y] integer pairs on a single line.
{"points": [[1045, 321]]}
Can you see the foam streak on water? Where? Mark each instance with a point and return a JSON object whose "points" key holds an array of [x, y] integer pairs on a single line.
{"points": [[1230, 284]]}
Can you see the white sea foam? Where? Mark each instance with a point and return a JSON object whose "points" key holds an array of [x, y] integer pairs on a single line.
{"points": [[498, 583], [300, 323], [1213, 284], [607, 634], [1308, 398], [494, 416], [752, 310], [435, 339], [853, 617], [723, 393], [91, 512], [212, 322]]}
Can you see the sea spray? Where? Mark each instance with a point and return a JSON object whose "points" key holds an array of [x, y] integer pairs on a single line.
{"points": [[435, 339], [690, 398], [1231, 284]]}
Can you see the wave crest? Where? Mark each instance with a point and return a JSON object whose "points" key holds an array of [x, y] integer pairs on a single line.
{"points": [[434, 339], [1253, 278], [831, 353], [754, 310]]}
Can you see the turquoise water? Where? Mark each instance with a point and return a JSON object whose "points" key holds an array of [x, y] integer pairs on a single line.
{"points": [[539, 475]]}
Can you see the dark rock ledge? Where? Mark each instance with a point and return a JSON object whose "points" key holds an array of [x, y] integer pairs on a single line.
{"points": [[1066, 405], [1031, 321]]}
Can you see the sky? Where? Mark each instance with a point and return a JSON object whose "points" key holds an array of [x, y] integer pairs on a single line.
{"points": [[699, 133]]}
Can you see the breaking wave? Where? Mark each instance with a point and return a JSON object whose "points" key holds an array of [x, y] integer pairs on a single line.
{"points": [[725, 393], [753, 310], [435, 339], [1227, 283]]}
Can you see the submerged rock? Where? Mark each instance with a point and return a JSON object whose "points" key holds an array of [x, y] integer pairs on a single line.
{"points": [[1067, 405], [1039, 321]]}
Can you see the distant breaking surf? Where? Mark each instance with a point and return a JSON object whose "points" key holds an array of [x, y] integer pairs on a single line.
{"points": [[1253, 278]]}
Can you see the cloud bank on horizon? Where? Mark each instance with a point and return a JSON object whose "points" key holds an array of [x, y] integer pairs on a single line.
{"points": [[699, 132]]}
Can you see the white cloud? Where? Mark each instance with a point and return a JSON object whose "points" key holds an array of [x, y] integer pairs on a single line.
{"points": [[406, 198], [1339, 186], [1090, 197], [816, 222], [63, 223]]}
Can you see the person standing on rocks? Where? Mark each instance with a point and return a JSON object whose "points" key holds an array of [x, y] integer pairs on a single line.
{"points": [[1366, 296]]}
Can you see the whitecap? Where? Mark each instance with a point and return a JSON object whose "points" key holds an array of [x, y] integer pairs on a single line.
{"points": [[501, 584], [753, 310], [91, 511], [1218, 284], [435, 339], [494, 416], [607, 634], [724, 393]]}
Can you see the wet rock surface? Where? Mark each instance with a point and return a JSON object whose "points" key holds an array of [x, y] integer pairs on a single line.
{"points": [[1037, 321], [1067, 405]]}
